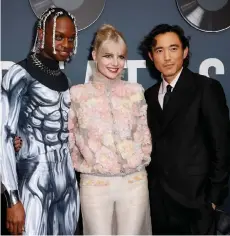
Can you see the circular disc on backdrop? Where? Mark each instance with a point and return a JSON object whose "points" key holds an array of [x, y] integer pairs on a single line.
{"points": [[206, 15], [86, 12]]}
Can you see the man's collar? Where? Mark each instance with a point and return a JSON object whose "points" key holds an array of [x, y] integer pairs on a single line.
{"points": [[165, 83]]}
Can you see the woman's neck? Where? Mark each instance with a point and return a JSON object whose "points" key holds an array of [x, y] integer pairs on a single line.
{"points": [[99, 78]]}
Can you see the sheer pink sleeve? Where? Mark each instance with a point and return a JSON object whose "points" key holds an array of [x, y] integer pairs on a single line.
{"points": [[73, 130]]}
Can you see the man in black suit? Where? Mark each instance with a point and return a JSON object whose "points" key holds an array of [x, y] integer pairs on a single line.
{"points": [[189, 122]]}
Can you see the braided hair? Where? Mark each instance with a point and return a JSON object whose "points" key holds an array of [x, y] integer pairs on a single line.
{"points": [[49, 14]]}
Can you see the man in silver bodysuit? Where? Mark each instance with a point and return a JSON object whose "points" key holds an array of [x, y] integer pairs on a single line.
{"points": [[41, 189]]}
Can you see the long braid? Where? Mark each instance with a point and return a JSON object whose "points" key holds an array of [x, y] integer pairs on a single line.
{"points": [[54, 29], [44, 28], [38, 44], [76, 36], [46, 15]]}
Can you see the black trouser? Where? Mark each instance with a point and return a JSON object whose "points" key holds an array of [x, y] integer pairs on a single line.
{"points": [[171, 218]]}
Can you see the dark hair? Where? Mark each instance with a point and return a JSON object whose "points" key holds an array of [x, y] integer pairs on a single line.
{"points": [[51, 12], [149, 40]]}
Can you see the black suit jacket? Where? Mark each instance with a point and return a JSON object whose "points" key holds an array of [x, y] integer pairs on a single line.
{"points": [[191, 140]]}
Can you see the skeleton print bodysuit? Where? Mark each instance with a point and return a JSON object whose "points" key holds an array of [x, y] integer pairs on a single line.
{"points": [[35, 101]]}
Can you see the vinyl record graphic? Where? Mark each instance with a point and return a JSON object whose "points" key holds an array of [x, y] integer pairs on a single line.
{"points": [[86, 12], [206, 15]]}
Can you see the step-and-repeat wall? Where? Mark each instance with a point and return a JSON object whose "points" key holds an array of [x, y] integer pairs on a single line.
{"points": [[205, 21]]}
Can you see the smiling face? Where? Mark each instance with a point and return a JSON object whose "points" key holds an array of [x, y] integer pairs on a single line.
{"points": [[64, 39], [110, 58], [168, 55]]}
